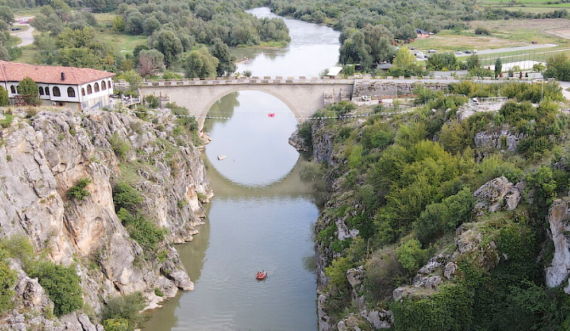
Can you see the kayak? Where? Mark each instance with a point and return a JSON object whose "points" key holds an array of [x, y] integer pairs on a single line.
{"points": [[261, 275]]}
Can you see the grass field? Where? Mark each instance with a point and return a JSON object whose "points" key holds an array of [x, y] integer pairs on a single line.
{"points": [[124, 43]]}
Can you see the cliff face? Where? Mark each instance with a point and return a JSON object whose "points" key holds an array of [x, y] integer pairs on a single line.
{"points": [[42, 157]]}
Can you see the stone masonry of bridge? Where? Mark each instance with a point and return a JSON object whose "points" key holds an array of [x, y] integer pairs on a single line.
{"points": [[304, 96]]}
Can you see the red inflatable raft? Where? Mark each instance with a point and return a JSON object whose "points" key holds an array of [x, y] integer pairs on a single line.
{"points": [[261, 275]]}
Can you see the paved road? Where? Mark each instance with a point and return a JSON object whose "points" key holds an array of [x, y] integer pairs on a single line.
{"points": [[514, 49], [26, 36]]}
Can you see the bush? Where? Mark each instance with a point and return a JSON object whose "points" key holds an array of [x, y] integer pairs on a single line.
{"points": [[152, 101], [120, 146], [147, 234], [78, 190], [62, 286], [482, 31], [125, 308], [116, 324], [125, 196]]}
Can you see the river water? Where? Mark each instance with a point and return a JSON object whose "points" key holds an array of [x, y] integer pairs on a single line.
{"points": [[262, 215]]}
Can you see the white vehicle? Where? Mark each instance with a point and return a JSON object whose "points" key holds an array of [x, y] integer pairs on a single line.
{"points": [[366, 98], [432, 51], [475, 51]]}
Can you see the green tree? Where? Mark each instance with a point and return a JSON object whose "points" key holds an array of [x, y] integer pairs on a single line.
{"points": [[498, 67], [119, 23], [473, 62], [411, 255], [28, 89], [133, 78], [79, 57], [4, 100], [538, 67], [404, 59], [200, 64], [8, 279], [62, 286], [124, 308], [225, 60], [6, 15], [170, 45]]}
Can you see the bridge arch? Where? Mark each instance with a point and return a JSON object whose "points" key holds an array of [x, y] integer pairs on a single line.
{"points": [[271, 92]]}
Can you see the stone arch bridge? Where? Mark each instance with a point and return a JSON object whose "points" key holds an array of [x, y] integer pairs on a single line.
{"points": [[304, 96]]}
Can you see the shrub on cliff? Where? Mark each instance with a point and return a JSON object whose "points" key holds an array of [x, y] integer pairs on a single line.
{"points": [[119, 146], [78, 190], [125, 196], [7, 282], [123, 309], [61, 284]]}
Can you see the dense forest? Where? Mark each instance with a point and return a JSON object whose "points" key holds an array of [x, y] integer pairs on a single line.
{"points": [[369, 27], [189, 36], [414, 185]]}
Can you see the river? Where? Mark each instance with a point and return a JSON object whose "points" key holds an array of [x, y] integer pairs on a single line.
{"points": [[262, 214]]}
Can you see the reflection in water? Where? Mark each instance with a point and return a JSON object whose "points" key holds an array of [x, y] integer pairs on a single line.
{"points": [[223, 108], [255, 144]]}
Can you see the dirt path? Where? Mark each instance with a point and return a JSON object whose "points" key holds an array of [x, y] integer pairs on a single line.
{"points": [[26, 36]]}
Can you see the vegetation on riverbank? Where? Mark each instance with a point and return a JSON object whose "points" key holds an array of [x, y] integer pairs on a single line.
{"points": [[406, 183]]}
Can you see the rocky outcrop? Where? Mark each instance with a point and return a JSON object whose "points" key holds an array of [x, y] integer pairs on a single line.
{"points": [[497, 194], [41, 158], [558, 218], [322, 143], [503, 139], [298, 142]]}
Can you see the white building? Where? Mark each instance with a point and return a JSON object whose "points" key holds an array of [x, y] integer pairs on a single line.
{"points": [[77, 88]]}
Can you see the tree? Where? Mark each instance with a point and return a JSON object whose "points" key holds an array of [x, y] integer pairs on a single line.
{"points": [[442, 61], [404, 59], [225, 60], [150, 62], [4, 101], [410, 255], [150, 25], [169, 44], [473, 62], [29, 90], [498, 67], [6, 15], [355, 50], [133, 79], [406, 32], [79, 57], [119, 23], [201, 64], [538, 67]]}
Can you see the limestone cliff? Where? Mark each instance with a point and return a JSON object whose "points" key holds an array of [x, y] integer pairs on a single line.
{"points": [[43, 156]]}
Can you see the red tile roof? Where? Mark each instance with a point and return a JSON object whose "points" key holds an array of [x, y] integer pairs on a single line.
{"points": [[16, 72]]}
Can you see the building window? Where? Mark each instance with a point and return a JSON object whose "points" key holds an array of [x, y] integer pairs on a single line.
{"points": [[12, 89], [46, 90], [103, 85], [96, 87], [109, 84], [83, 91], [41, 90], [56, 92], [70, 92], [89, 89]]}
